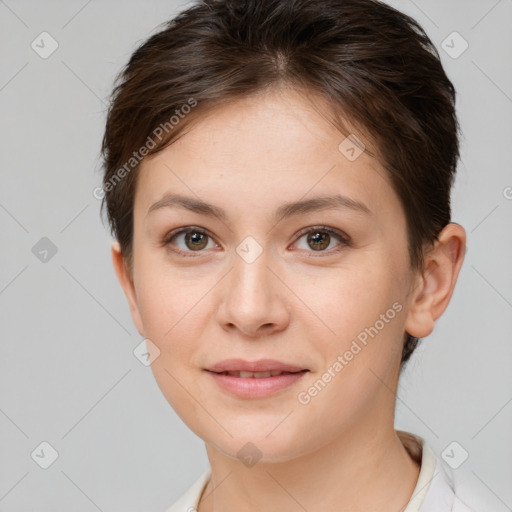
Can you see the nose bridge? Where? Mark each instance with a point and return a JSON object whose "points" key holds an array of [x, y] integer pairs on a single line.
{"points": [[251, 298], [251, 286]]}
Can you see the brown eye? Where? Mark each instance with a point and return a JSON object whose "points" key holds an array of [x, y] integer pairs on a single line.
{"points": [[195, 240], [319, 240], [322, 240], [188, 240]]}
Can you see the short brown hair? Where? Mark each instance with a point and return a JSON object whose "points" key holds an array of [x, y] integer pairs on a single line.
{"points": [[373, 64]]}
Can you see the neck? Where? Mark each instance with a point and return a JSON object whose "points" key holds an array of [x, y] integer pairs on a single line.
{"points": [[367, 469]]}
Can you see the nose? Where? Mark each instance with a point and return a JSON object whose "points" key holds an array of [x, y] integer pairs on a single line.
{"points": [[252, 298]]}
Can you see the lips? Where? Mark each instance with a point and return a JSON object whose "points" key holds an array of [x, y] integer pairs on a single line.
{"points": [[254, 369], [255, 379], [254, 375]]}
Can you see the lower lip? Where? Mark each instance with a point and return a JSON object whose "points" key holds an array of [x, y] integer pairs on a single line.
{"points": [[256, 388]]}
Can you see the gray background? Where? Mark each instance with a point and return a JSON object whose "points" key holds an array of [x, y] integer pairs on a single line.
{"points": [[67, 370]]}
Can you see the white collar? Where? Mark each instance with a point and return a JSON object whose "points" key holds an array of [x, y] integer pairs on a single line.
{"points": [[428, 480], [435, 490]]}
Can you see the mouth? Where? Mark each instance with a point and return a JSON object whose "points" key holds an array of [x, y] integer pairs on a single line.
{"points": [[258, 379], [258, 375], [257, 368]]}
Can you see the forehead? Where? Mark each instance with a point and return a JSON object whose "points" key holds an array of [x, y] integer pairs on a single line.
{"points": [[262, 151]]}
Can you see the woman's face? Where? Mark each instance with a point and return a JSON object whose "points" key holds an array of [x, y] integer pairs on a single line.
{"points": [[325, 290]]}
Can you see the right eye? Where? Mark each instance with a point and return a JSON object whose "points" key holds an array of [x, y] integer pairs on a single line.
{"points": [[193, 239]]}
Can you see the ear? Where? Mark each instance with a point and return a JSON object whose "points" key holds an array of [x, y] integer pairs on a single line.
{"points": [[434, 288], [126, 281]]}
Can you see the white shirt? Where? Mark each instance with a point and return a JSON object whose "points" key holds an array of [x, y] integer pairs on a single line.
{"points": [[435, 490]]}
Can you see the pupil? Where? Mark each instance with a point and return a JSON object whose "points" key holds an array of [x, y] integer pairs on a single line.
{"points": [[196, 239], [317, 238]]}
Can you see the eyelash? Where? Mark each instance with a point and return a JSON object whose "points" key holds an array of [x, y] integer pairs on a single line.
{"points": [[345, 240]]}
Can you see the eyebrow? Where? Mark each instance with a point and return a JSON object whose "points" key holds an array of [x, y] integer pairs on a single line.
{"points": [[284, 211]]}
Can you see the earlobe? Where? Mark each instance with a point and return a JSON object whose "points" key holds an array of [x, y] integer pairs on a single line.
{"points": [[126, 282], [435, 287]]}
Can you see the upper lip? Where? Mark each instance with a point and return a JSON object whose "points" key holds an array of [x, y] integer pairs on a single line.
{"points": [[261, 365]]}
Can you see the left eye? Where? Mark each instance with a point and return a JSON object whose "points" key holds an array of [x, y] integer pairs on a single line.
{"points": [[320, 238]]}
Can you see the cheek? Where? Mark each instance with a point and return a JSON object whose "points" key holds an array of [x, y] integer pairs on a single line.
{"points": [[175, 311], [163, 295], [169, 310], [358, 362], [345, 299], [358, 316]]}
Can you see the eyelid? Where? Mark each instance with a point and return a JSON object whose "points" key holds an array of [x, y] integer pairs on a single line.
{"points": [[320, 227]]}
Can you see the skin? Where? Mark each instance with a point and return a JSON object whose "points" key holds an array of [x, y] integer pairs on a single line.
{"points": [[293, 303]]}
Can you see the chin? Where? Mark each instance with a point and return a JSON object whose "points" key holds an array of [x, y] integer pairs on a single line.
{"points": [[267, 441], [250, 451]]}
